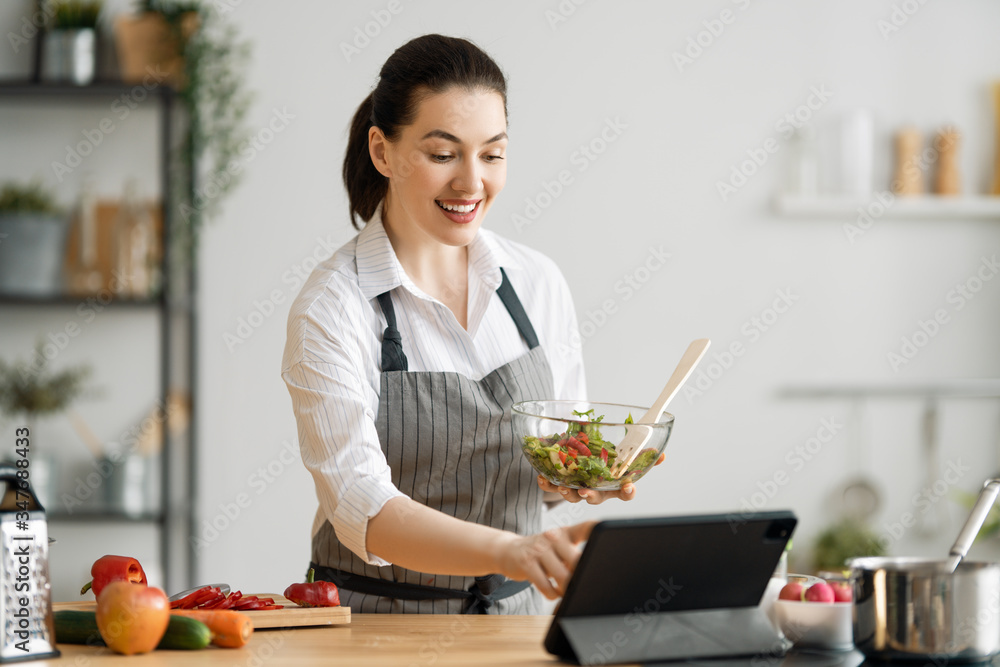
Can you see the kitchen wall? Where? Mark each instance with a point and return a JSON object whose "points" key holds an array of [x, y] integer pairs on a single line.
{"points": [[641, 109]]}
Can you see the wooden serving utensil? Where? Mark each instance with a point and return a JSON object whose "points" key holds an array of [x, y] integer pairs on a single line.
{"points": [[638, 434]]}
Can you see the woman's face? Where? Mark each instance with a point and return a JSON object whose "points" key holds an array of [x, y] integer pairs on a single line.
{"points": [[446, 168]]}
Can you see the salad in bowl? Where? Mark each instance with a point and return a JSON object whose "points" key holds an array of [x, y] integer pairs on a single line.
{"points": [[574, 443]]}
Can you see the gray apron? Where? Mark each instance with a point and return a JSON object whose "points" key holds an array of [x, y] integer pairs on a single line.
{"points": [[450, 445]]}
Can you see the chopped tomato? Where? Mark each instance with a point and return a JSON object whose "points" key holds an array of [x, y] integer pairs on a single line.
{"points": [[572, 444], [562, 457], [604, 455], [583, 437]]}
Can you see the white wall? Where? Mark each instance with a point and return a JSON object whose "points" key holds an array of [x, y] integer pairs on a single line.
{"points": [[654, 187]]}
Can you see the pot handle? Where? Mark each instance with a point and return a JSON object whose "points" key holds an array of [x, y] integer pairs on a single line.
{"points": [[984, 503]]}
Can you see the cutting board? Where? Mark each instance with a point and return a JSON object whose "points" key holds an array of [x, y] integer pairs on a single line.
{"points": [[291, 616]]}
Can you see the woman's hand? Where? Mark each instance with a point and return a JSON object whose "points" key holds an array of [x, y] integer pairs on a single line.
{"points": [[627, 492], [546, 560]]}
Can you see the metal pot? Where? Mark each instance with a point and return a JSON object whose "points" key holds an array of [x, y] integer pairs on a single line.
{"points": [[922, 608], [912, 608]]}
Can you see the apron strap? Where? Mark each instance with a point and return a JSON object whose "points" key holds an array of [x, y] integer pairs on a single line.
{"points": [[481, 596], [516, 310], [393, 358]]}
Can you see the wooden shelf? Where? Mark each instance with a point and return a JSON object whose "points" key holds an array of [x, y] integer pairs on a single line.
{"points": [[971, 207]]}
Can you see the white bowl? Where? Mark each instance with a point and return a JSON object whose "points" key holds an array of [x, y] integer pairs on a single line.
{"points": [[816, 624]]}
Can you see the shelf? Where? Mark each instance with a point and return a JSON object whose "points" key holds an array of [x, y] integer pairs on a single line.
{"points": [[24, 88], [973, 207], [98, 516], [74, 300], [177, 335], [971, 388]]}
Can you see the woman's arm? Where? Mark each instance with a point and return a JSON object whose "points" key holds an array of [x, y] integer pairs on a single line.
{"points": [[417, 537]]}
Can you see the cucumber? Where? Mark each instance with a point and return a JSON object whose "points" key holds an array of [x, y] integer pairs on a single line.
{"points": [[185, 633], [80, 627], [77, 627]]}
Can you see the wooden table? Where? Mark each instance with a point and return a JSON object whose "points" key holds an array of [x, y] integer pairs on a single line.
{"points": [[413, 640]]}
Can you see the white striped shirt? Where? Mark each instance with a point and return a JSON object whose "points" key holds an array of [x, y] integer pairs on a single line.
{"points": [[333, 355]]}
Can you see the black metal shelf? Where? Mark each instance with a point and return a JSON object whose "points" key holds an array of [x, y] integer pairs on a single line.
{"points": [[76, 300], [103, 516], [167, 304], [25, 88]]}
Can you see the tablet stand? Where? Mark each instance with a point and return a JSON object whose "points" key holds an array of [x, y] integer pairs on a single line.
{"points": [[678, 635]]}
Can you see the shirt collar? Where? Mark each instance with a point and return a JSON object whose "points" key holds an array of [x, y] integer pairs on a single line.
{"points": [[379, 269]]}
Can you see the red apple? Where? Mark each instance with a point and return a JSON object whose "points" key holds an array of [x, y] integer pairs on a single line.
{"points": [[791, 591], [842, 591], [819, 592]]}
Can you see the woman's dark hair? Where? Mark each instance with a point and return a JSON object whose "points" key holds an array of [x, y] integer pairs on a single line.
{"points": [[426, 65]]}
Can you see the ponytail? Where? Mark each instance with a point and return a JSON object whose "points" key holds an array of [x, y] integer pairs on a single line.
{"points": [[366, 186], [427, 64]]}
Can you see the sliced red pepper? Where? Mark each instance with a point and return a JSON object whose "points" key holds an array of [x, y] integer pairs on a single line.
{"points": [[604, 455], [232, 600], [562, 457], [227, 603], [247, 605], [186, 602], [213, 599], [113, 568], [271, 606], [314, 593]]}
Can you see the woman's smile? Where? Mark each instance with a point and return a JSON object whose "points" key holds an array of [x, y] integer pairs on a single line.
{"points": [[461, 211]]}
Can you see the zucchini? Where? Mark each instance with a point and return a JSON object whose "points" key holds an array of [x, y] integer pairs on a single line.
{"points": [[80, 627]]}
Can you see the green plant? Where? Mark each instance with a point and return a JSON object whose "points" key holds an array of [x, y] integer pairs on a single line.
{"points": [[216, 102], [27, 198], [75, 14], [849, 538], [29, 388]]}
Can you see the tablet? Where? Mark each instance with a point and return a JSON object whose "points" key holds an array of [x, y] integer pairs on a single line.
{"points": [[646, 566]]}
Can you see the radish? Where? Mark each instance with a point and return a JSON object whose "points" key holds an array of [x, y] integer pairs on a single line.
{"points": [[819, 592], [791, 591]]}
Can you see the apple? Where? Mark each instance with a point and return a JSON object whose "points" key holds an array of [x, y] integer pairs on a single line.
{"points": [[819, 592], [791, 591], [842, 591], [132, 618]]}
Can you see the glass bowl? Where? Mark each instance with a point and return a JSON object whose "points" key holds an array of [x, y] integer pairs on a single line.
{"points": [[572, 443]]}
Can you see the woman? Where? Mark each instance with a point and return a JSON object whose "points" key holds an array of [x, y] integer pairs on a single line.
{"points": [[408, 347]]}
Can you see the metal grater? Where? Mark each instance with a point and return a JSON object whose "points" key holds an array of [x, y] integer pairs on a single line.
{"points": [[28, 632]]}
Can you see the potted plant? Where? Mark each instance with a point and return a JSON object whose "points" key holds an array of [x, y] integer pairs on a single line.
{"points": [[204, 59], [33, 234], [848, 538], [70, 44], [29, 390]]}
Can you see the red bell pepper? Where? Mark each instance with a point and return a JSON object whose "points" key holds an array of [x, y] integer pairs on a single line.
{"points": [[113, 568], [314, 593]]}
